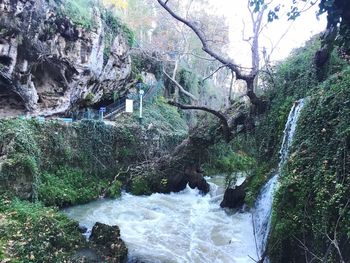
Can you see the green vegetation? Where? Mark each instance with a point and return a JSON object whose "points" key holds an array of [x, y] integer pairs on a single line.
{"points": [[160, 113], [68, 186], [82, 13], [142, 62], [114, 27], [140, 186], [291, 80], [312, 202], [33, 233], [115, 190], [61, 165], [190, 82]]}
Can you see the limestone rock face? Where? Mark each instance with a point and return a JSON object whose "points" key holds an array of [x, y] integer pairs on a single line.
{"points": [[48, 64]]}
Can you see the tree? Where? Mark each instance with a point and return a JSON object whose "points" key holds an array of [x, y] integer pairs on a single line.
{"points": [[170, 42], [241, 74], [337, 31]]}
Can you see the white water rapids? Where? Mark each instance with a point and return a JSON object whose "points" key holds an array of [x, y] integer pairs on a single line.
{"points": [[178, 227], [186, 226]]}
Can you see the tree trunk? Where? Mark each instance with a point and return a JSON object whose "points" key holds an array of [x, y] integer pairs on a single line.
{"points": [[183, 165]]}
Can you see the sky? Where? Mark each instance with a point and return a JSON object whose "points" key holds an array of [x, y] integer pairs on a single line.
{"points": [[299, 31]]}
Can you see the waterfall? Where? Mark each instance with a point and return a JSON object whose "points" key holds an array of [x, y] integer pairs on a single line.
{"points": [[263, 204]]}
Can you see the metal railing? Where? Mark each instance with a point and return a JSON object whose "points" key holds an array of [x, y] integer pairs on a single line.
{"points": [[112, 109]]}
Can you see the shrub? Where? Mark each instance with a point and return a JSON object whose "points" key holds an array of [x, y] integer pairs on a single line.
{"points": [[33, 233], [68, 186], [115, 190], [140, 186]]}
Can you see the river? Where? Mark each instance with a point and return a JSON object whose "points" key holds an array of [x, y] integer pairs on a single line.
{"points": [[177, 227]]}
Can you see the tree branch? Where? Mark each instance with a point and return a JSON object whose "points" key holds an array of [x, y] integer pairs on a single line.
{"points": [[225, 127], [180, 87], [204, 43], [211, 74]]}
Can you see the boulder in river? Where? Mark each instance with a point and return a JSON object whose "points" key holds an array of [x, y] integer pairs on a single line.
{"points": [[106, 239], [196, 179], [234, 197]]}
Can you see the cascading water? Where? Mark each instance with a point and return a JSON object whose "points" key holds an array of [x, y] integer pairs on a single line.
{"points": [[186, 226], [177, 227], [263, 204]]}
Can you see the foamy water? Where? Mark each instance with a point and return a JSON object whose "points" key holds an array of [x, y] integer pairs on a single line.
{"points": [[177, 227]]}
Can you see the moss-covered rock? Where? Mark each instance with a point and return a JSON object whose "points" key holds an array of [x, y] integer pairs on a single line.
{"points": [[290, 80], [107, 240]]}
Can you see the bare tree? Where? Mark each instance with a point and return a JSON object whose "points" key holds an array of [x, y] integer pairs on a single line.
{"points": [[240, 73]]}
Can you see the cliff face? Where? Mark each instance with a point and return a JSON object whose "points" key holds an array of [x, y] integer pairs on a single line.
{"points": [[48, 63]]}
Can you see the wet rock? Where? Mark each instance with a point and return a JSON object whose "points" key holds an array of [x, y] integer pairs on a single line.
{"points": [[234, 197], [82, 229], [86, 255], [106, 239], [197, 181], [177, 181]]}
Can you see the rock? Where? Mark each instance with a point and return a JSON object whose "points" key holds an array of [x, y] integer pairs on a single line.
{"points": [[234, 197], [175, 183], [48, 64], [196, 180], [86, 255], [82, 229], [106, 239]]}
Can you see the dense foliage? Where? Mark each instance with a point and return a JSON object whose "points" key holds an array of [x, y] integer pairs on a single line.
{"points": [[84, 12], [312, 202], [62, 165], [289, 81], [312, 209], [33, 233]]}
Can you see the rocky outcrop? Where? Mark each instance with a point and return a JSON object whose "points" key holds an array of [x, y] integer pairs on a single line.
{"points": [[196, 179], [48, 64], [234, 197], [106, 239]]}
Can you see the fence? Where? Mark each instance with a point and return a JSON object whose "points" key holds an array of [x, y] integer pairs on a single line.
{"points": [[112, 109]]}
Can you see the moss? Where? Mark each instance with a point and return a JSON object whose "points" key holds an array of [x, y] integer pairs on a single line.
{"points": [[67, 186], [113, 27], [140, 186], [260, 173], [33, 233], [291, 80], [89, 98], [311, 201], [64, 164], [115, 190], [80, 12]]}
